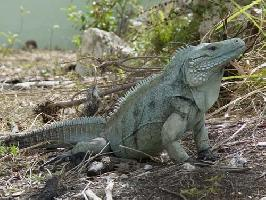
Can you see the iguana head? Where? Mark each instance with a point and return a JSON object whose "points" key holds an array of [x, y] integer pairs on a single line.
{"points": [[203, 68], [208, 59]]}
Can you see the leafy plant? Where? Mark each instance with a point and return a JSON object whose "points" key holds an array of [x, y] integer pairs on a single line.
{"points": [[52, 30], [166, 31], [10, 39], [13, 150], [23, 12], [76, 40], [3, 150], [108, 15]]}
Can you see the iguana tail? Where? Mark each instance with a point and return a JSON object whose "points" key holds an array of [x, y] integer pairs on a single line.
{"points": [[65, 132]]}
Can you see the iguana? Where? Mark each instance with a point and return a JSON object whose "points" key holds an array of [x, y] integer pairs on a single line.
{"points": [[156, 113]]}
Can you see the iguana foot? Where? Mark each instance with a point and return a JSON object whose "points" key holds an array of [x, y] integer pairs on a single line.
{"points": [[74, 159], [207, 155]]}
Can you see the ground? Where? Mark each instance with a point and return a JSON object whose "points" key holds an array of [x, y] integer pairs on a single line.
{"points": [[240, 172]]}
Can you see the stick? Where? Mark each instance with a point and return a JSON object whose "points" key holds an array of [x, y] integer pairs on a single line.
{"points": [[236, 100], [71, 103], [216, 146], [173, 193], [108, 189], [90, 195], [151, 157]]}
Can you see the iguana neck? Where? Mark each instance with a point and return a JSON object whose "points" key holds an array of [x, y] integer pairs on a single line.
{"points": [[173, 72]]}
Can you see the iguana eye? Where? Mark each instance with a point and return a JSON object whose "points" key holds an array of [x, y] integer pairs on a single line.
{"points": [[212, 48]]}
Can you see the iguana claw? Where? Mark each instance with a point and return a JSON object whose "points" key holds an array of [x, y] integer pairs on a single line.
{"points": [[74, 159], [207, 155]]}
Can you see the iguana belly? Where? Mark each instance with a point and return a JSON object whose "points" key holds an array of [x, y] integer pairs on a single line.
{"points": [[143, 142]]}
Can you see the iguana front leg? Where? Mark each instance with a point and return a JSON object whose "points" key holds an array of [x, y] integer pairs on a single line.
{"points": [[173, 130], [202, 141]]}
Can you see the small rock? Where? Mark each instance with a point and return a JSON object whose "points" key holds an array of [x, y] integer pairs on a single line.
{"points": [[112, 175], [164, 157], [124, 176], [188, 167], [16, 194], [99, 43], [238, 161], [261, 144], [147, 167], [95, 168]]}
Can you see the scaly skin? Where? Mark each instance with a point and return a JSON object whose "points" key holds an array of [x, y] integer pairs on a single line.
{"points": [[158, 112]]}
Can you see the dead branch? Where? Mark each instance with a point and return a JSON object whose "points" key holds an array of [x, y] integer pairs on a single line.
{"points": [[88, 194], [239, 99], [151, 157], [109, 189], [216, 146], [49, 108]]}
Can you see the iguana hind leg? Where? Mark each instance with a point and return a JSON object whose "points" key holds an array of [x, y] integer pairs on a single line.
{"points": [[93, 146], [173, 130], [77, 153]]}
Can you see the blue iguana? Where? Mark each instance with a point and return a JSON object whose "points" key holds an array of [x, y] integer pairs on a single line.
{"points": [[156, 113]]}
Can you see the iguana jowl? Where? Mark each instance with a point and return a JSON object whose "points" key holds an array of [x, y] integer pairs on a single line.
{"points": [[155, 114]]}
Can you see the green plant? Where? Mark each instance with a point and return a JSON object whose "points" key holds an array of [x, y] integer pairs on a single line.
{"points": [[52, 30], [11, 39], [108, 15], [23, 12], [164, 29], [76, 40], [102, 15], [3, 150], [13, 150]]}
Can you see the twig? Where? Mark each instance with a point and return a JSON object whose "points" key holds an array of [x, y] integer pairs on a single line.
{"points": [[150, 196], [151, 157], [235, 169], [32, 124], [106, 92], [71, 103], [115, 61], [108, 189], [89, 194], [216, 146], [84, 162], [95, 156], [174, 193], [236, 100], [261, 176]]}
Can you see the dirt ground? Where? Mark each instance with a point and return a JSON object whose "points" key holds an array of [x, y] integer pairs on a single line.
{"points": [[240, 172]]}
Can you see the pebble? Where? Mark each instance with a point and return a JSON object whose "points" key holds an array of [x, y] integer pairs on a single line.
{"points": [[147, 167], [188, 166], [124, 176]]}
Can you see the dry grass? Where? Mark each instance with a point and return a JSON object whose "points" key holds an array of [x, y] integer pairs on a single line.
{"points": [[246, 106]]}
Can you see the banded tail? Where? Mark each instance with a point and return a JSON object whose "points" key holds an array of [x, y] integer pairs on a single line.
{"points": [[66, 132]]}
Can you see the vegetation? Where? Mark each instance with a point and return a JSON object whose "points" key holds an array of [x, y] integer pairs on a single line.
{"points": [[106, 15], [10, 38], [155, 34], [13, 150]]}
